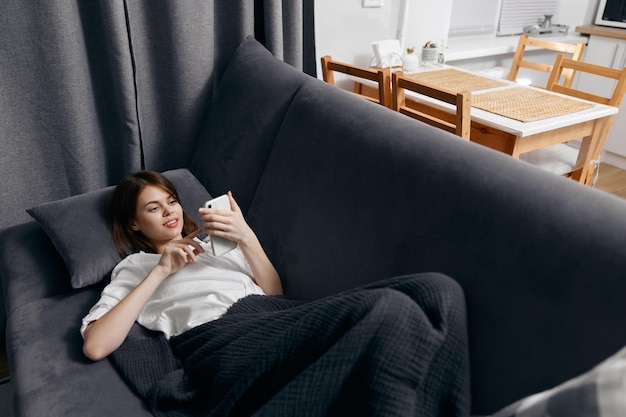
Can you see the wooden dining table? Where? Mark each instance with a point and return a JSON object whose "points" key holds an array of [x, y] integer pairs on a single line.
{"points": [[516, 119]]}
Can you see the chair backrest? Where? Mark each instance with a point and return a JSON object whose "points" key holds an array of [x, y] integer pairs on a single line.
{"points": [[457, 122], [380, 76], [576, 50], [563, 63]]}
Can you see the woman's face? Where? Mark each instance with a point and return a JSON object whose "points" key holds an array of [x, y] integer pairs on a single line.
{"points": [[159, 216]]}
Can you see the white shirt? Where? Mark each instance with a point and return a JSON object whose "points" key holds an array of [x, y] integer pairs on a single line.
{"points": [[200, 292]]}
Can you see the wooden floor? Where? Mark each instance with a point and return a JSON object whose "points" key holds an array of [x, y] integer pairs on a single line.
{"points": [[611, 180]]}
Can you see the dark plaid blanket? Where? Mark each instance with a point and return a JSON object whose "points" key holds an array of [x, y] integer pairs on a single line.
{"points": [[394, 348]]}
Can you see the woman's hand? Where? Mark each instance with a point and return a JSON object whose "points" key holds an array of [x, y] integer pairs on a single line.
{"points": [[229, 224], [179, 253]]}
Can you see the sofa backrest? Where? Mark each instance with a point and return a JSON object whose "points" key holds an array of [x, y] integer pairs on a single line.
{"points": [[248, 107], [353, 192]]}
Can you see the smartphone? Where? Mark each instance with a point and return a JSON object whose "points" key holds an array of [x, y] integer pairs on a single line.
{"points": [[220, 245]]}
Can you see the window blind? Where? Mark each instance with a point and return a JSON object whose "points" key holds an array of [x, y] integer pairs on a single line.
{"points": [[515, 14], [472, 17]]}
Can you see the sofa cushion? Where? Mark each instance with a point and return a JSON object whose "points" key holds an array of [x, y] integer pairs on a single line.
{"points": [[247, 110], [77, 226], [50, 376], [600, 392]]}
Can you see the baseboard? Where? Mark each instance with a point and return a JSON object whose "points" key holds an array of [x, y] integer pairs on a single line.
{"points": [[614, 159]]}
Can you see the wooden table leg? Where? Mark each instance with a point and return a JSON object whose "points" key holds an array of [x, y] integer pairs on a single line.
{"points": [[590, 150]]}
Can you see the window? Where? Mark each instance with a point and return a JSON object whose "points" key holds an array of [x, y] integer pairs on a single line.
{"points": [[502, 17], [516, 14]]}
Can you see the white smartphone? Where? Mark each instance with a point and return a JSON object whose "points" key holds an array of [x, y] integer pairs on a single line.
{"points": [[220, 245]]}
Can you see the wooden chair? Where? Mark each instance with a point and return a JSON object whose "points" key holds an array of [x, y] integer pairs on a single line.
{"points": [[570, 157], [380, 76], [576, 51], [456, 121]]}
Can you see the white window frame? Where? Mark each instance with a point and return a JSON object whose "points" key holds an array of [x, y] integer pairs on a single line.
{"points": [[499, 17], [516, 14]]}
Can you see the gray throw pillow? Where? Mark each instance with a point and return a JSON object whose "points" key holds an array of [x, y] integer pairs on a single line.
{"points": [[77, 227]]}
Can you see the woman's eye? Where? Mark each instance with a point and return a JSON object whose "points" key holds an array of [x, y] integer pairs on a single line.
{"points": [[173, 202], [153, 209]]}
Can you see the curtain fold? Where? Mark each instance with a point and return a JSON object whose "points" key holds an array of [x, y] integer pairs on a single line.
{"points": [[91, 91], [111, 65], [51, 125]]}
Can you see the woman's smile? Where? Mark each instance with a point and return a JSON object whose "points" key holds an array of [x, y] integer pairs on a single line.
{"points": [[171, 223]]}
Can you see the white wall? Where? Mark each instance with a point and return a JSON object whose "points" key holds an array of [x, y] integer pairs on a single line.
{"points": [[345, 30], [576, 12]]}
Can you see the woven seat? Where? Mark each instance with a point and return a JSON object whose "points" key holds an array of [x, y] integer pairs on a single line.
{"points": [[527, 105], [455, 80]]}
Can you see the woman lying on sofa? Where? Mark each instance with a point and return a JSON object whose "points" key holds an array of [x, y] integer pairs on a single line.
{"points": [[229, 343]]}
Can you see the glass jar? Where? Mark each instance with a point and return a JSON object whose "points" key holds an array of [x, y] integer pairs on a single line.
{"points": [[410, 62]]}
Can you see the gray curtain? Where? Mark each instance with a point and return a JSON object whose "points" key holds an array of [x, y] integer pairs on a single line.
{"points": [[93, 90]]}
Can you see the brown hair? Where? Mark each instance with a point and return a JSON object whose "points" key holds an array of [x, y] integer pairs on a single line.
{"points": [[123, 207]]}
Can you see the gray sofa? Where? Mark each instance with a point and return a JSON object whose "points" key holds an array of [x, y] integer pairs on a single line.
{"points": [[343, 192]]}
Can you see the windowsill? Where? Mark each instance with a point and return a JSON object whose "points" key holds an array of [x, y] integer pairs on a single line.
{"points": [[468, 47]]}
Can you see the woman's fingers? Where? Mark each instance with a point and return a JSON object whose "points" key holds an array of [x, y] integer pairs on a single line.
{"points": [[229, 224], [184, 250], [193, 234], [193, 245], [233, 204]]}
